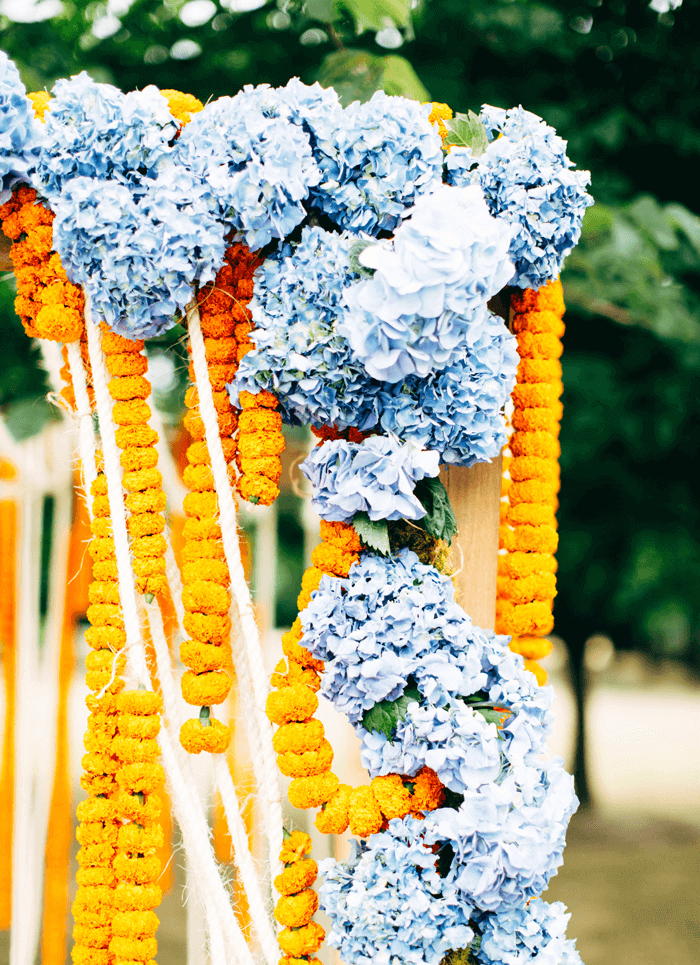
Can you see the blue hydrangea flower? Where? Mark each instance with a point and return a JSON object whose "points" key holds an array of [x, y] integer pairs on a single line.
{"points": [[507, 837], [458, 411], [20, 132], [95, 131], [391, 619], [376, 159], [298, 353], [377, 477], [138, 257], [388, 904], [532, 934], [454, 740], [256, 159], [528, 180], [431, 283]]}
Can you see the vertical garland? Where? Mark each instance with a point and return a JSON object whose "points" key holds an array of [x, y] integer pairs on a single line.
{"points": [[527, 568]]}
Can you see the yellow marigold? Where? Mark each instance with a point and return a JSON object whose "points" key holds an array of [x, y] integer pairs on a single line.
{"points": [[196, 738], [96, 809], [531, 514], [539, 370], [333, 818], [91, 936], [312, 792], [96, 833], [134, 459], [536, 443], [288, 960], [135, 435], [134, 949], [135, 749], [539, 345], [341, 535], [113, 344], [205, 505], [95, 855], [105, 614], [256, 445], [258, 400], [301, 941], [523, 618], [205, 689], [145, 524], [532, 467], [534, 419], [198, 453], [294, 911], [130, 413], [95, 876], [299, 655], [130, 897], [142, 479], [295, 703], [59, 323], [206, 596], [40, 102], [126, 364], [438, 115], [130, 807], [124, 387], [332, 560], [540, 586], [135, 924], [296, 877], [307, 763], [208, 627], [182, 106], [393, 798], [545, 322], [539, 672], [148, 501], [139, 839], [532, 648], [428, 793], [533, 491], [141, 702], [82, 955], [201, 657], [259, 421], [258, 489], [141, 778], [299, 737], [198, 477], [148, 546], [220, 349], [196, 529], [101, 526], [296, 674], [534, 395], [364, 814], [137, 870], [295, 847], [532, 539], [138, 727]]}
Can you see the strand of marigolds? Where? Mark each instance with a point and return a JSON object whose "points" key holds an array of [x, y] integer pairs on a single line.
{"points": [[306, 756], [527, 581], [8, 628]]}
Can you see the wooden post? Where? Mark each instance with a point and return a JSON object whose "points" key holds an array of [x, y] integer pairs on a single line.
{"points": [[475, 495]]}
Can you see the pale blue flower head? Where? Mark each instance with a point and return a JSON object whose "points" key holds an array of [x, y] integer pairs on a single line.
{"points": [[95, 131], [388, 904], [508, 837], [299, 354], [377, 477], [376, 159], [532, 934], [528, 180], [20, 132], [138, 260], [257, 160], [430, 284], [391, 619]]}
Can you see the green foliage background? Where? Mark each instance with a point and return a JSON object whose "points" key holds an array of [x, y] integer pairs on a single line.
{"points": [[621, 84]]}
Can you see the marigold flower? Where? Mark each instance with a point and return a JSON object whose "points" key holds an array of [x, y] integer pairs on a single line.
{"points": [[297, 910], [295, 703], [90, 936], [539, 370], [258, 490], [133, 459], [130, 897], [135, 749], [549, 297], [311, 792], [301, 941], [393, 798], [538, 443], [134, 949], [204, 505], [59, 323], [135, 924], [135, 435], [428, 792], [540, 586], [139, 727], [299, 738], [296, 877], [131, 413], [129, 807], [333, 818], [532, 467], [140, 702], [196, 738], [148, 501], [208, 627], [307, 763], [137, 870], [523, 618], [539, 322], [364, 814], [539, 672], [95, 876], [532, 648], [533, 491], [182, 106], [201, 657], [206, 596], [145, 524], [332, 560], [341, 535], [208, 529]]}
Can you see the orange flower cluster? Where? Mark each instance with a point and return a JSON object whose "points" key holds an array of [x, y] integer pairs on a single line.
{"points": [[142, 480], [526, 571], [49, 305], [98, 829], [182, 106], [260, 445], [301, 936], [136, 864]]}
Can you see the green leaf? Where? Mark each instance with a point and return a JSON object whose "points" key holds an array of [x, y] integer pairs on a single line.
{"points": [[27, 417], [373, 533], [356, 249], [324, 10], [439, 520], [466, 130], [356, 74], [373, 14], [492, 716], [384, 716]]}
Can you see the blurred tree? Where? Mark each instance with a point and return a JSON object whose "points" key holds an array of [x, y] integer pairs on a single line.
{"points": [[620, 83]]}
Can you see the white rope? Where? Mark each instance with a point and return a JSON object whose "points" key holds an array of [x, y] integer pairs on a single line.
{"points": [[260, 913], [262, 752], [86, 431]]}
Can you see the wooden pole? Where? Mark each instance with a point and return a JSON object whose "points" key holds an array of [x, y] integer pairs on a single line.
{"points": [[475, 495]]}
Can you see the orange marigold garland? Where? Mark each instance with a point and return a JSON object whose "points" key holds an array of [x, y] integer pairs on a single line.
{"points": [[527, 568]]}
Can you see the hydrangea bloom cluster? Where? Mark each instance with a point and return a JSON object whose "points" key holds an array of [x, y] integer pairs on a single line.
{"points": [[95, 131], [527, 180], [534, 934], [298, 353], [507, 837], [388, 903], [19, 132], [430, 284], [391, 619], [256, 159], [377, 476], [137, 255], [376, 159]]}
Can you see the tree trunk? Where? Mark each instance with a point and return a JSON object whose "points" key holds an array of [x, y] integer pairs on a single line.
{"points": [[578, 682]]}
